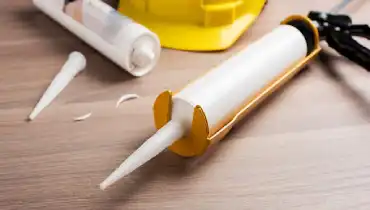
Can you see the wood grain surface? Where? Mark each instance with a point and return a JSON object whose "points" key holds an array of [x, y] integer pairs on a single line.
{"points": [[307, 147]]}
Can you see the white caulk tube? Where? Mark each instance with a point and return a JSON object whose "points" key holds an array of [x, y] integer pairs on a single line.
{"points": [[128, 44], [76, 63], [221, 91]]}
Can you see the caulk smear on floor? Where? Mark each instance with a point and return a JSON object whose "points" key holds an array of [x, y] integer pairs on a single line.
{"points": [[126, 98]]}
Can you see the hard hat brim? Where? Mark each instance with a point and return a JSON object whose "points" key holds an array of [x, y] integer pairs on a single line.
{"points": [[192, 37]]}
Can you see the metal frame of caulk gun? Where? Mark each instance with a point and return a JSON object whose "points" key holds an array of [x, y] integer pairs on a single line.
{"points": [[201, 135], [121, 56]]}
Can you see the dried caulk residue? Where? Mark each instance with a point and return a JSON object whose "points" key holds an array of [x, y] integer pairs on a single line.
{"points": [[126, 98], [82, 118]]}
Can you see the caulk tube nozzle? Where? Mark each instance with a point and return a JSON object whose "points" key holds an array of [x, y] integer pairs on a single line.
{"points": [[76, 62], [165, 136]]}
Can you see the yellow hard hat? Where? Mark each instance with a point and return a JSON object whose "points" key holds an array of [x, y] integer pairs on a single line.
{"points": [[197, 25]]}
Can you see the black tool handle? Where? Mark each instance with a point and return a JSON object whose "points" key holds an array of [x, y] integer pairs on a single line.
{"points": [[344, 44], [360, 30]]}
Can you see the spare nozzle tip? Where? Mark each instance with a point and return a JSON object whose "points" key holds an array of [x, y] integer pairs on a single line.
{"points": [[76, 63], [36, 111], [79, 58], [32, 116]]}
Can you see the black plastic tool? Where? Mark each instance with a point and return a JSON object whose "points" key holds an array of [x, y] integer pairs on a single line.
{"points": [[339, 32]]}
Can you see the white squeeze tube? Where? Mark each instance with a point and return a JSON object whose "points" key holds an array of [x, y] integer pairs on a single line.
{"points": [[128, 44], [221, 91]]}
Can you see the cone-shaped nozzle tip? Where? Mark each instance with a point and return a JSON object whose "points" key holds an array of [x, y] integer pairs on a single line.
{"points": [[168, 134], [76, 62]]}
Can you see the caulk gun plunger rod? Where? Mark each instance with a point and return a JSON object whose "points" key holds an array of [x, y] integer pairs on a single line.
{"points": [[164, 137]]}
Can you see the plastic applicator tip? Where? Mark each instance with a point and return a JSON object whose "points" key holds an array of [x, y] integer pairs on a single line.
{"points": [[165, 136], [104, 185], [76, 63]]}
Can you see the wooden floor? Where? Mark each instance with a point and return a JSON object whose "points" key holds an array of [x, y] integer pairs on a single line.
{"points": [[307, 147]]}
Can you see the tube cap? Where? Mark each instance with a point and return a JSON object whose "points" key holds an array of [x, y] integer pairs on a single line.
{"points": [[143, 56]]}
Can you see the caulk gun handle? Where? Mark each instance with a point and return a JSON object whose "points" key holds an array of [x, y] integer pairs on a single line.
{"points": [[338, 31], [344, 44]]}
